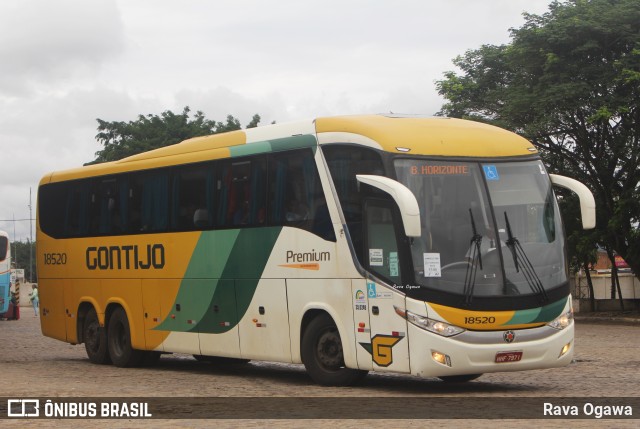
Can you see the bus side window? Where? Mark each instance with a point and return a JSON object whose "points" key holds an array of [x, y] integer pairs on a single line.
{"points": [[149, 202], [76, 219], [65, 205], [296, 196], [241, 189], [345, 162], [192, 198], [105, 209], [382, 241]]}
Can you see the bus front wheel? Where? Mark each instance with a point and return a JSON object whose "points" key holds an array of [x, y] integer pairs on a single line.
{"points": [[323, 356], [95, 339], [119, 340]]}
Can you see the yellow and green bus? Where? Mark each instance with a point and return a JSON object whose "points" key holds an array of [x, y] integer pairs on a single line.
{"points": [[426, 246]]}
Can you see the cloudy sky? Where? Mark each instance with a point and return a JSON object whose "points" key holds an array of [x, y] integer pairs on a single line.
{"points": [[64, 63]]}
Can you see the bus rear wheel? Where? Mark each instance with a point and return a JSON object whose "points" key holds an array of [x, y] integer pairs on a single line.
{"points": [[323, 356], [119, 340], [95, 339]]}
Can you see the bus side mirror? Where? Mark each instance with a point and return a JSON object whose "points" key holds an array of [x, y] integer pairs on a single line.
{"points": [[404, 198], [587, 203]]}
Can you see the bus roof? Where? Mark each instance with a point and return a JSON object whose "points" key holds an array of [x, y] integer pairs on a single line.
{"points": [[397, 134], [437, 136]]}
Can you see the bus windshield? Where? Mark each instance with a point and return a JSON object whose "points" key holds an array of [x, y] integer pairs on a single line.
{"points": [[4, 246], [488, 229]]}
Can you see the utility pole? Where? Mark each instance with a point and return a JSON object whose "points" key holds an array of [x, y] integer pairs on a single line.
{"points": [[15, 244], [30, 240]]}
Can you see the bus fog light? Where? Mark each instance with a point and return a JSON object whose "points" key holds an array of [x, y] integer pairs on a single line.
{"points": [[565, 349], [441, 358]]}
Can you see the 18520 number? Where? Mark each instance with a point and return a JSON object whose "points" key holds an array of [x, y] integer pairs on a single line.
{"points": [[479, 320], [55, 258]]}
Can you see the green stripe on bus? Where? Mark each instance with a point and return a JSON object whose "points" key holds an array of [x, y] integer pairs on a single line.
{"points": [[213, 297], [295, 142], [551, 311], [276, 145], [250, 149], [538, 315], [524, 316]]}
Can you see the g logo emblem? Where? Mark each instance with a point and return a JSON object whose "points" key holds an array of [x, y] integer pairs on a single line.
{"points": [[381, 349]]}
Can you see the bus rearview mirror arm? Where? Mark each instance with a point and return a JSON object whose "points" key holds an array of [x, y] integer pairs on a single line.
{"points": [[404, 198], [587, 202]]}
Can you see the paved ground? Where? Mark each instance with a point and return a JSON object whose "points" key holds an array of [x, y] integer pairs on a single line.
{"points": [[607, 364]]}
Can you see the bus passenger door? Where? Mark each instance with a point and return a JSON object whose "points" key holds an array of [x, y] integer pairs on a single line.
{"points": [[264, 326], [361, 323], [389, 341], [389, 345]]}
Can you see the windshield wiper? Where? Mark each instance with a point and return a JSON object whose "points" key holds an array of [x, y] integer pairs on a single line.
{"points": [[476, 259], [528, 271]]}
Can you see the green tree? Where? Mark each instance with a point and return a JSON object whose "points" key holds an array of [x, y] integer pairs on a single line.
{"points": [[254, 121], [122, 139], [569, 81]]}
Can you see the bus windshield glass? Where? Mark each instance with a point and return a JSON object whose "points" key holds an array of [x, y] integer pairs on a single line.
{"points": [[488, 229], [4, 246]]}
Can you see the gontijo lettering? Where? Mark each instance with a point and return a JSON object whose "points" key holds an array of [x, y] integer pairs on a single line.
{"points": [[129, 257]]}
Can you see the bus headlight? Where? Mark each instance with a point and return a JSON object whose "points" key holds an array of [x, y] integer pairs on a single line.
{"points": [[562, 321], [435, 326]]}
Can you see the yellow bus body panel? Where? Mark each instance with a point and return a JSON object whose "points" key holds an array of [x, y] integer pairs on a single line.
{"points": [[431, 136]]}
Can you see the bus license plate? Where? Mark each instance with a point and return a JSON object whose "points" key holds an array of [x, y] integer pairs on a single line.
{"points": [[503, 357]]}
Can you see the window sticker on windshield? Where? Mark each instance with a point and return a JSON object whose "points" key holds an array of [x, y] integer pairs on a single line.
{"points": [[432, 265], [491, 172], [393, 264], [541, 169], [376, 257], [439, 170]]}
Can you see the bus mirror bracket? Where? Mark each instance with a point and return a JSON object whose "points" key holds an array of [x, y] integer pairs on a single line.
{"points": [[404, 198], [587, 202]]}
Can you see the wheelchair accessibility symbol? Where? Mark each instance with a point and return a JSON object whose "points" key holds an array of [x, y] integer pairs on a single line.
{"points": [[491, 172], [371, 290]]}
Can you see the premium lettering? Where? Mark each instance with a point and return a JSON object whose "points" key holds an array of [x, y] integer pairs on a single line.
{"points": [[312, 256], [130, 257]]}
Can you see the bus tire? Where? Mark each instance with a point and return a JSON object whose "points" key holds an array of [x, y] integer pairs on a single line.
{"points": [[95, 339], [119, 340], [322, 354], [458, 378]]}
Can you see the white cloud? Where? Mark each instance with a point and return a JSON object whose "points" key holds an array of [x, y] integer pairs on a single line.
{"points": [[55, 42], [64, 63]]}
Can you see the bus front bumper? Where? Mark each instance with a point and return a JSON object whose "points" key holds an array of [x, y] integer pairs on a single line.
{"points": [[477, 352]]}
